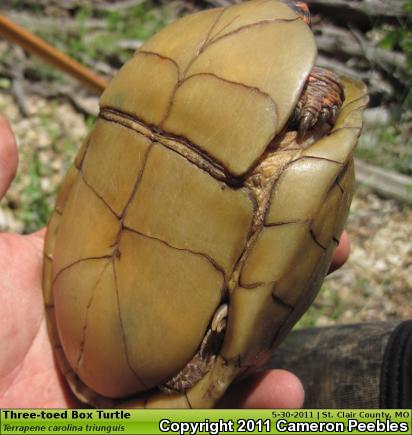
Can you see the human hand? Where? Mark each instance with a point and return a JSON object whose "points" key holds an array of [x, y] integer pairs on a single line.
{"points": [[29, 375]]}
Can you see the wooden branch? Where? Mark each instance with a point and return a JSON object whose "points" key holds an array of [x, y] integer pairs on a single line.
{"points": [[335, 40], [17, 84], [37, 46], [89, 105], [219, 3], [387, 184], [53, 24], [377, 84], [117, 6], [389, 8]]}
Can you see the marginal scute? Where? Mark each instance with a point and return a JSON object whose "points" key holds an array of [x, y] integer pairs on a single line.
{"points": [[78, 160], [188, 195], [347, 183], [52, 327], [274, 252], [52, 232], [79, 237], [211, 387], [356, 98], [323, 227], [315, 269], [292, 285], [137, 402], [301, 189], [325, 148], [66, 188], [47, 285], [60, 356], [255, 316], [161, 401]]}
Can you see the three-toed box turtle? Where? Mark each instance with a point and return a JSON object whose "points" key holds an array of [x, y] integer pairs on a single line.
{"points": [[199, 218]]}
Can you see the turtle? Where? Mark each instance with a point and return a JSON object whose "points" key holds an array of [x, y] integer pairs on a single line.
{"points": [[199, 217]]}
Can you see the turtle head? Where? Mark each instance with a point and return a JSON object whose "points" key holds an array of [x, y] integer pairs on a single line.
{"points": [[301, 8]]}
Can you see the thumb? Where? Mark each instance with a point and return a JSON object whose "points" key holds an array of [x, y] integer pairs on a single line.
{"points": [[8, 156]]}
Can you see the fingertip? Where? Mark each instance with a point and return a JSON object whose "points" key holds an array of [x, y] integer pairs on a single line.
{"points": [[38, 237], [40, 234], [271, 389], [341, 253], [276, 389], [8, 156]]}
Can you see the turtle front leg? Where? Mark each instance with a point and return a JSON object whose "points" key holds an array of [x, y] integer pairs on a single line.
{"points": [[320, 101], [203, 360]]}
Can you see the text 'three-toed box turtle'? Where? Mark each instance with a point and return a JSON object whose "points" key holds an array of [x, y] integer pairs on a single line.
{"points": [[199, 218]]}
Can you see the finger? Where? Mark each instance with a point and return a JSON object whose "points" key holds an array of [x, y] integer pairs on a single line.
{"points": [[37, 238], [39, 234], [341, 253], [271, 389], [8, 156]]}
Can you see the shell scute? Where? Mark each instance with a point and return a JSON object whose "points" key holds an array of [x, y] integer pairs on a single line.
{"points": [[78, 236], [300, 190], [113, 142], [167, 297], [256, 318], [131, 92]]}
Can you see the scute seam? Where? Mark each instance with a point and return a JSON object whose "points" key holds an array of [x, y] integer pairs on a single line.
{"points": [[187, 400], [84, 330], [262, 194], [248, 26], [63, 269], [250, 88], [79, 167], [205, 42], [313, 236], [278, 224], [180, 145], [207, 257], [279, 301], [88, 185], [124, 341], [161, 56]]}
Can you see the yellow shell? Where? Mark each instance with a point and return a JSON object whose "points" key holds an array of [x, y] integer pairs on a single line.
{"points": [[187, 194]]}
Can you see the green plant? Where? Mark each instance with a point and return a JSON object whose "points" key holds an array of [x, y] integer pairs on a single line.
{"points": [[35, 203], [399, 38], [329, 303]]}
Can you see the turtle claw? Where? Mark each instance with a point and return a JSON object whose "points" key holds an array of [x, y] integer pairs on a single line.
{"points": [[335, 113], [320, 101], [306, 123], [325, 115]]}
